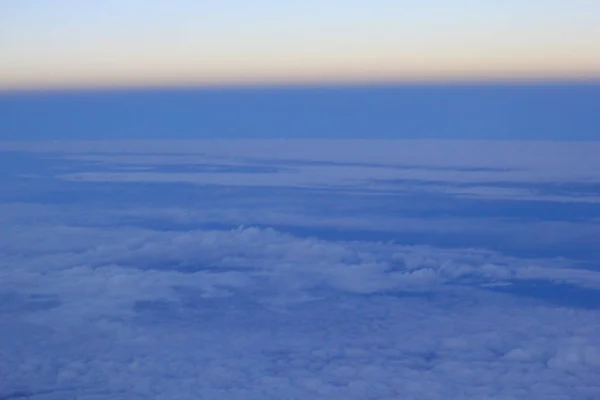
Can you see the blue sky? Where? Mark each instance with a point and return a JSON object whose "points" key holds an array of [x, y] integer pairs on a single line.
{"points": [[90, 43], [324, 266]]}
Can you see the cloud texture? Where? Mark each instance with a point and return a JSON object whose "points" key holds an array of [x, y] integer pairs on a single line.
{"points": [[146, 291]]}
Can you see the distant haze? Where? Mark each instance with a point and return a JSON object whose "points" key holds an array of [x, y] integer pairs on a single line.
{"points": [[432, 111], [89, 43]]}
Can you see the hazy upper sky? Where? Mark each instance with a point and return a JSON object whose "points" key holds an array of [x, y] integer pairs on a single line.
{"points": [[151, 42]]}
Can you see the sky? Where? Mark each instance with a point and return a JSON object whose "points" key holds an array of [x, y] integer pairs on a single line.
{"points": [[63, 43], [460, 264]]}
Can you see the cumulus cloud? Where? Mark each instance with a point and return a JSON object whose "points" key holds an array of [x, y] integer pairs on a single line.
{"points": [[255, 312], [102, 301]]}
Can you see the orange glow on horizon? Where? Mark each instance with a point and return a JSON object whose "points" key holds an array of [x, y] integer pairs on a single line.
{"points": [[113, 43]]}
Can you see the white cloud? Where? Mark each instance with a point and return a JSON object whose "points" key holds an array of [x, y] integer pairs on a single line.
{"points": [[224, 313], [94, 306], [470, 169]]}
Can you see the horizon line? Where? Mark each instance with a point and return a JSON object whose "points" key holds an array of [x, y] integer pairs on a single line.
{"points": [[301, 84]]}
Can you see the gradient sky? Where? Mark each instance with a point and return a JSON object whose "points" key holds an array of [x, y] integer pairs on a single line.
{"points": [[54, 43]]}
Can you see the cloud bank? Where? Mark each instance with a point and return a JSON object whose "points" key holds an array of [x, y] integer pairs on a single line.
{"points": [[147, 291]]}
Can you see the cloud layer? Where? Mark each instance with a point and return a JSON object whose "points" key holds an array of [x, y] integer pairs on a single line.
{"points": [[150, 291]]}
